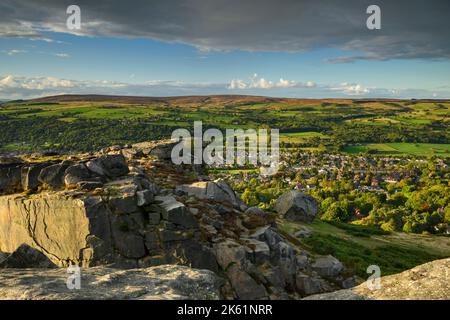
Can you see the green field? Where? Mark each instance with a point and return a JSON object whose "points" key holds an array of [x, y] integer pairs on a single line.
{"points": [[378, 126], [401, 148]]}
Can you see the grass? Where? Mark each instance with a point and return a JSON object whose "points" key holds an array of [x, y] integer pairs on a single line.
{"points": [[299, 137], [401, 148], [359, 246]]}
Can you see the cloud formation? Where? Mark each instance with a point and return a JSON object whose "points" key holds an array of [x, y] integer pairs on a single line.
{"points": [[13, 52], [20, 87], [410, 28], [256, 82]]}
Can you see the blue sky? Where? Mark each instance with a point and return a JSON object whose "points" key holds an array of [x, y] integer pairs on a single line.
{"points": [[58, 61]]}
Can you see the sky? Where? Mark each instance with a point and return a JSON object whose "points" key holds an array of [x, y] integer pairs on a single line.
{"points": [[283, 48]]}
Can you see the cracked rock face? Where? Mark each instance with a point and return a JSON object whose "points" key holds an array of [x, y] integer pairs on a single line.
{"points": [[56, 226], [166, 282]]}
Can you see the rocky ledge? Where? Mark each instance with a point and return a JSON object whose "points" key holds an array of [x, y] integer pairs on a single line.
{"points": [[429, 281], [168, 282], [129, 207]]}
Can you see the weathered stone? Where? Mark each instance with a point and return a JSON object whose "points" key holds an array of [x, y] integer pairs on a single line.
{"points": [[111, 166], [302, 262], [144, 197], [258, 233], [123, 204], [218, 190], [166, 282], [172, 235], [296, 206], [161, 149], [284, 255], [75, 174], [327, 266], [428, 281], [307, 285], [229, 253], [154, 217], [255, 217], [257, 251], [10, 178], [53, 176], [274, 277], [272, 238], [3, 256], [195, 254], [89, 185], [152, 261], [350, 282], [30, 175], [245, 286], [27, 257], [152, 242], [129, 244], [57, 225], [132, 153], [255, 211], [176, 212]]}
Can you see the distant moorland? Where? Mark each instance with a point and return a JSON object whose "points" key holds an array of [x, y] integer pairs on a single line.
{"points": [[89, 122]]}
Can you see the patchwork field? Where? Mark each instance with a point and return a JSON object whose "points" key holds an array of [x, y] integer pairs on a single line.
{"points": [[399, 148], [414, 127]]}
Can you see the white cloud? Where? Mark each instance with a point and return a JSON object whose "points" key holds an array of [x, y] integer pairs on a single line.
{"points": [[62, 55], [351, 89], [261, 83], [20, 87], [13, 52], [237, 84]]}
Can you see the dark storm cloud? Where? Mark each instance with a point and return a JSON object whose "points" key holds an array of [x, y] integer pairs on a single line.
{"points": [[410, 29]]}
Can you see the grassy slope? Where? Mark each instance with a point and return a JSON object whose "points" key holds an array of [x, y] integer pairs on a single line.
{"points": [[358, 247]]}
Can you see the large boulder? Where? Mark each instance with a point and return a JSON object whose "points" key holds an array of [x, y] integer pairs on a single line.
{"points": [[111, 165], [26, 256], [75, 174], [165, 282], [297, 206], [217, 190], [328, 266], [52, 176], [176, 212]]}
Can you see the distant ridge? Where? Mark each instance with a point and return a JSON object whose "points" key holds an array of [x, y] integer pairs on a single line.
{"points": [[212, 99]]}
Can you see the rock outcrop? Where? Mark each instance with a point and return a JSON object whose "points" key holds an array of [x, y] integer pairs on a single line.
{"points": [[429, 281], [165, 282], [128, 207]]}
